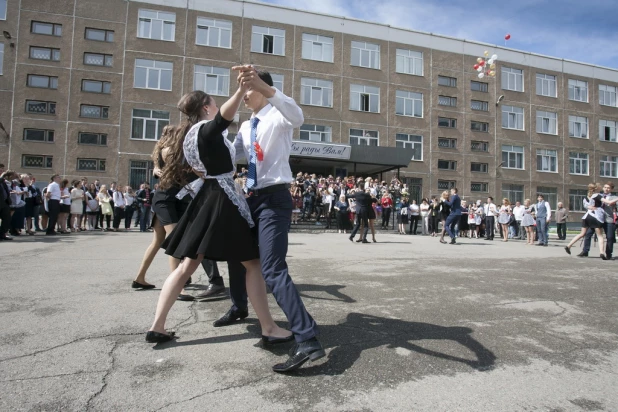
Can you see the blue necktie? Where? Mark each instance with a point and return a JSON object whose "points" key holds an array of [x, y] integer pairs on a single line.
{"points": [[252, 177]]}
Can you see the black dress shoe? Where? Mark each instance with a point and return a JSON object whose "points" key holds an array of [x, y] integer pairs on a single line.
{"points": [[583, 254], [351, 239], [156, 337], [603, 257], [137, 285], [365, 241], [302, 352], [270, 341], [452, 242], [211, 291], [567, 249], [5, 237], [231, 317], [185, 298]]}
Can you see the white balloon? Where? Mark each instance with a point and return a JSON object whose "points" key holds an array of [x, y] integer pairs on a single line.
{"points": [[490, 61], [480, 69], [494, 57], [481, 75]]}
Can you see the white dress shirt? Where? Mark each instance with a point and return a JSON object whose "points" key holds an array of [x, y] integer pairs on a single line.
{"points": [[118, 199], [518, 212], [274, 135], [128, 199], [490, 209], [54, 190]]}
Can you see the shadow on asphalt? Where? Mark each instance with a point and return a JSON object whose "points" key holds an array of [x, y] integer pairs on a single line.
{"points": [[332, 290]]}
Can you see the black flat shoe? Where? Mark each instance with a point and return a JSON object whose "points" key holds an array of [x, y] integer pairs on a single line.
{"points": [[604, 257], [156, 337], [351, 239], [359, 240], [365, 241], [185, 298], [270, 341], [231, 317], [567, 249], [301, 353], [442, 241], [137, 285]]}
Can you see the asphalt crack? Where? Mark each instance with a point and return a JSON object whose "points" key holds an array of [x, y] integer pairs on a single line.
{"points": [[53, 376], [108, 372]]}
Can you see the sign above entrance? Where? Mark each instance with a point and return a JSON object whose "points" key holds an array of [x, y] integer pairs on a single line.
{"points": [[331, 151]]}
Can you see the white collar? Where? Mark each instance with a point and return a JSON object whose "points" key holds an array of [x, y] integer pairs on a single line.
{"points": [[263, 112]]}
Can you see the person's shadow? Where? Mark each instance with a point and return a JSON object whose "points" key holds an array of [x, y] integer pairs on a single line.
{"points": [[308, 292]]}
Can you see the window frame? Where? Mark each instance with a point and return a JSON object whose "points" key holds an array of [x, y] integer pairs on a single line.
{"points": [[446, 184], [450, 81], [516, 154], [107, 58], [47, 105], [50, 81], [160, 123], [451, 143], [47, 133], [484, 125], [573, 85], [104, 111], [54, 53], [483, 189], [106, 34], [481, 165], [156, 69], [311, 40], [612, 95], [513, 192], [220, 77], [98, 163], [451, 165], [484, 106], [544, 156], [140, 17], [575, 159], [45, 160], [327, 133], [370, 94], [205, 24], [576, 200], [482, 143], [452, 122], [406, 98], [103, 84], [482, 85], [407, 60], [573, 120], [364, 136], [54, 27], [268, 33], [509, 113], [546, 80], [511, 76], [614, 128], [373, 54], [98, 135], [447, 101], [310, 88], [408, 143], [541, 116], [611, 162], [275, 77], [3, 10]]}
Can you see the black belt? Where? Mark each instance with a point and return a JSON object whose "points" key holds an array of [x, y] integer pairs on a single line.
{"points": [[269, 189]]}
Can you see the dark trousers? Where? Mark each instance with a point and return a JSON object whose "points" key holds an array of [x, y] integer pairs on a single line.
{"points": [[118, 215], [414, 224], [5, 217], [386, 216], [451, 221], [128, 214], [53, 207], [361, 217], [610, 233], [342, 221], [434, 222], [138, 215], [272, 214], [490, 225], [37, 212], [561, 229], [521, 231], [212, 270], [143, 221], [307, 210]]}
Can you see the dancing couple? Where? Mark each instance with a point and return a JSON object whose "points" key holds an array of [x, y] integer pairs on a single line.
{"points": [[221, 225]]}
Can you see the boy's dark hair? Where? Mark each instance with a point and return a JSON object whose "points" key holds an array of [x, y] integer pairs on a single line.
{"points": [[266, 77], [490, 198], [454, 189], [53, 177]]}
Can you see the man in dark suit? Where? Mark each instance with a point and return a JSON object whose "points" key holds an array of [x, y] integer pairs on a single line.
{"points": [[363, 203], [455, 203], [5, 202]]}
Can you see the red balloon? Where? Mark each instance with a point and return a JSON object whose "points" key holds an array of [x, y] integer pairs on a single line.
{"points": [[476, 66], [507, 37], [482, 63]]}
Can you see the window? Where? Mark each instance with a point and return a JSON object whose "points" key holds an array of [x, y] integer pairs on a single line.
{"points": [[478, 146], [96, 86], [44, 53], [44, 82], [361, 137], [99, 35], [578, 163], [512, 117], [315, 133], [578, 127], [513, 157], [214, 33], [40, 107], [41, 162], [1, 58], [479, 187], [318, 48], [212, 80], [447, 101], [546, 85], [447, 143], [447, 122], [578, 90], [94, 165], [479, 126], [547, 160], [49, 29], [97, 59], [316, 92], [479, 105], [365, 55], [411, 141], [3, 9], [140, 171], [94, 112], [447, 164], [546, 122], [277, 81], [576, 200], [39, 135], [515, 193], [609, 166], [153, 74], [447, 81], [148, 124], [409, 62], [550, 194], [446, 184], [364, 98], [479, 167], [607, 95], [97, 139], [156, 25], [607, 130], [478, 86], [408, 103], [512, 79], [268, 40]]}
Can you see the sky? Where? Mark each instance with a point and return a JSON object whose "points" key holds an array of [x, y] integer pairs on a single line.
{"points": [[580, 30]]}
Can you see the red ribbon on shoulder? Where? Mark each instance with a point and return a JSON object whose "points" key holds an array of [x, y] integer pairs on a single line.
{"points": [[258, 152]]}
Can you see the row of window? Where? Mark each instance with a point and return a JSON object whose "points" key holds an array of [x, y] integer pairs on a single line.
{"points": [[47, 162]]}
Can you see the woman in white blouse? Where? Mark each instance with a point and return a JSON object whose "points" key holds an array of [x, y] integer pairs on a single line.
{"points": [[119, 206], [77, 205], [129, 205], [106, 208]]}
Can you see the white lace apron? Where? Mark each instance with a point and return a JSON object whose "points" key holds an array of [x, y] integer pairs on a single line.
{"points": [[226, 180]]}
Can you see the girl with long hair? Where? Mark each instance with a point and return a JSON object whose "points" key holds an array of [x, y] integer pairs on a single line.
{"points": [[593, 219], [130, 204], [106, 208], [65, 206], [77, 206], [504, 218], [92, 206], [528, 222], [445, 210]]}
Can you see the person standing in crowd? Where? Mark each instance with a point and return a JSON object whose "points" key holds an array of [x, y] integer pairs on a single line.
{"points": [[343, 222], [129, 206], [463, 226], [31, 203], [454, 216], [92, 207], [372, 215], [425, 216], [53, 195], [472, 216], [297, 200], [5, 206], [106, 208], [528, 222], [387, 208], [445, 211], [518, 212], [77, 198], [84, 186], [18, 204], [594, 218], [434, 216], [144, 197], [404, 215], [119, 206], [415, 214], [308, 202], [327, 202], [504, 218], [490, 212], [65, 206], [561, 221], [609, 206], [542, 211]]}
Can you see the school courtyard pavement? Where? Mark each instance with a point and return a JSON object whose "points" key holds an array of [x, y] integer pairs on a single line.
{"points": [[409, 324]]}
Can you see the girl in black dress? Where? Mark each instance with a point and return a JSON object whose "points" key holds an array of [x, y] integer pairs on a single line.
{"points": [[445, 210], [217, 224]]}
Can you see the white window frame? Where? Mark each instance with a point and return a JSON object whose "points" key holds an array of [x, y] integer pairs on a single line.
{"points": [[608, 163], [54, 54], [159, 124], [309, 86], [579, 161], [514, 117], [357, 95], [364, 49], [318, 48], [154, 17], [277, 81], [546, 122], [1, 59], [153, 68], [510, 77], [315, 135], [578, 87], [214, 25], [546, 85], [547, 160], [409, 62], [3, 8], [258, 33], [607, 95], [514, 153], [613, 127], [412, 104], [411, 141], [221, 75], [578, 123], [365, 137]]}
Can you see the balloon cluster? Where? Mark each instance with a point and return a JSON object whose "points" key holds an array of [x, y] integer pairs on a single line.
{"points": [[486, 66]]}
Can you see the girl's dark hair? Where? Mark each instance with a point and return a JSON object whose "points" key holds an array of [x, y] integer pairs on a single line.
{"points": [[64, 183], [176, 169]]}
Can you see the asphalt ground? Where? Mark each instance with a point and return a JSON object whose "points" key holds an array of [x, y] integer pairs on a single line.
{"points": [[409, 324]]}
